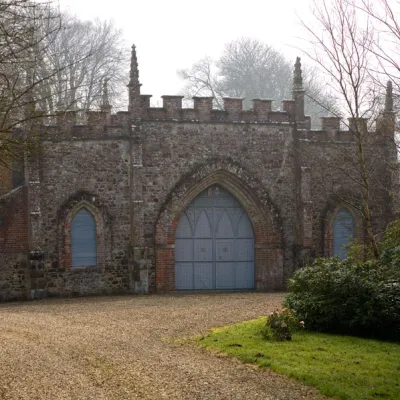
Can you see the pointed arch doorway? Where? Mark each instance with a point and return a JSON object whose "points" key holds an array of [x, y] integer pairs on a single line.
{"points": [[214, 244]]}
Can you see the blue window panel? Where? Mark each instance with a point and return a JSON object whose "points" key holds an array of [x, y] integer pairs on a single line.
{"points": [[244, 249], [225, 275], [214, 244], [244, 274], [224, 226], [203, 250], [184, 229], [83, 239], [203, 228], [184, 276], [203, 276], [343, 232], [245, 229], [224, 250], [184, 250]]}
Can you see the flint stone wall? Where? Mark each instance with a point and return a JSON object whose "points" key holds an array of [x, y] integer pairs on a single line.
{"points": [[138, 177]]}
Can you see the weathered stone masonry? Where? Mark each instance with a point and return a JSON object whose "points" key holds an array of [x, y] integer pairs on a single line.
{"points": [[137, 171]]}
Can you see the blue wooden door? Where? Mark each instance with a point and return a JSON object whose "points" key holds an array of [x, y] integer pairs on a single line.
{"points": [[343, 232], [83, 239], [214, 244]]}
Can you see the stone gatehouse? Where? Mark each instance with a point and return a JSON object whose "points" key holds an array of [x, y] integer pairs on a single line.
{"points": [[164, 199]]}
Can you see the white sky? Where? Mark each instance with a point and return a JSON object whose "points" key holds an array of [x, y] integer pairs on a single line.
{"points": [[173, 34]]}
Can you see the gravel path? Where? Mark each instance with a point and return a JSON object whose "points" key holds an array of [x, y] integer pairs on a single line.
{"points": [[122, 348]]}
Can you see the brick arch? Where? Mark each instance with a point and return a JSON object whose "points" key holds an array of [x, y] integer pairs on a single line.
{"points": [[103, 232], [328, 220], [263, 215]]}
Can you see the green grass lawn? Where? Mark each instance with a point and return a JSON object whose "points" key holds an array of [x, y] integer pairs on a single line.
{"points": [[342, 366]]}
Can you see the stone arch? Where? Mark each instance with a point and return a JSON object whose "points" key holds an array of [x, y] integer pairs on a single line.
{"points": [[103, 231], [254, 199], [328, 222]]}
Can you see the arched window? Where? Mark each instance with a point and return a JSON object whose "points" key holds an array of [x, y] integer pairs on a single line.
{"points": [[83, 239], [343, 232]]}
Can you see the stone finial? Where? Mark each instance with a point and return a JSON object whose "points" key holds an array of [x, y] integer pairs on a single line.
{"points": [[389, 97], [134, 73], [105, 102], [298, 93], [105, 105], [297, 78], [135, 103], [386, 122]]}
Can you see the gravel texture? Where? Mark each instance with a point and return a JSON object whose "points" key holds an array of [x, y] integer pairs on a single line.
{"points": [[124, 348]]}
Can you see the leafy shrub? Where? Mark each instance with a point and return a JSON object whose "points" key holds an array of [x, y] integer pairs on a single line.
{"points": [[344, 296], [279, 325], [391, 239], [358, 253], [390, 248]]}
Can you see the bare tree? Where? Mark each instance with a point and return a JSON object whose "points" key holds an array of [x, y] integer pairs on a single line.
{"points": [[49, 61], [342, 47], [84, 53], [251, 69], [203, 79], [319, 102], [384, 16], [24, 30], [247, 68]]}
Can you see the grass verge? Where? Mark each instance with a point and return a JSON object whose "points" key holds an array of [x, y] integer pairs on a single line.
{"points": [[340, 366]]}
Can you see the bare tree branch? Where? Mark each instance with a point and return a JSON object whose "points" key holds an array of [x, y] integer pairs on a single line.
{"points": [[342, 48], [251, 69]]}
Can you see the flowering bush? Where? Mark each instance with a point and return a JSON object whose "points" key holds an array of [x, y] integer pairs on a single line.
{"points": [[280, 324]]}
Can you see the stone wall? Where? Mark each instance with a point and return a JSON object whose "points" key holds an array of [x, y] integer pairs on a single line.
{"points": [[331, 180], [93, 174], [178, 158], [137, 171], [127, 179], [14, 260], [137, 179], [14, 276]]}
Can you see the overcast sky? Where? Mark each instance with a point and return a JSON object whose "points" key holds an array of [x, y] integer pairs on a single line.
{"points": [[172, 34]]}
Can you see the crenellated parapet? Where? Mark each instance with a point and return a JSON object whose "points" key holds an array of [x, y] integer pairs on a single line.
{"points": [[233, 111], [335, 129], [290, 112], [103, 123]]}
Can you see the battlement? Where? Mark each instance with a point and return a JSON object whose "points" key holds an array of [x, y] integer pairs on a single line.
{"points": [[331, 129], [203, 111], [291, 112], [103, 123], [172, 110]]}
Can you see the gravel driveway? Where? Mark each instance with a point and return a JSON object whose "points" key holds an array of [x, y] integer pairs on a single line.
{"points": [[122, 348]]}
